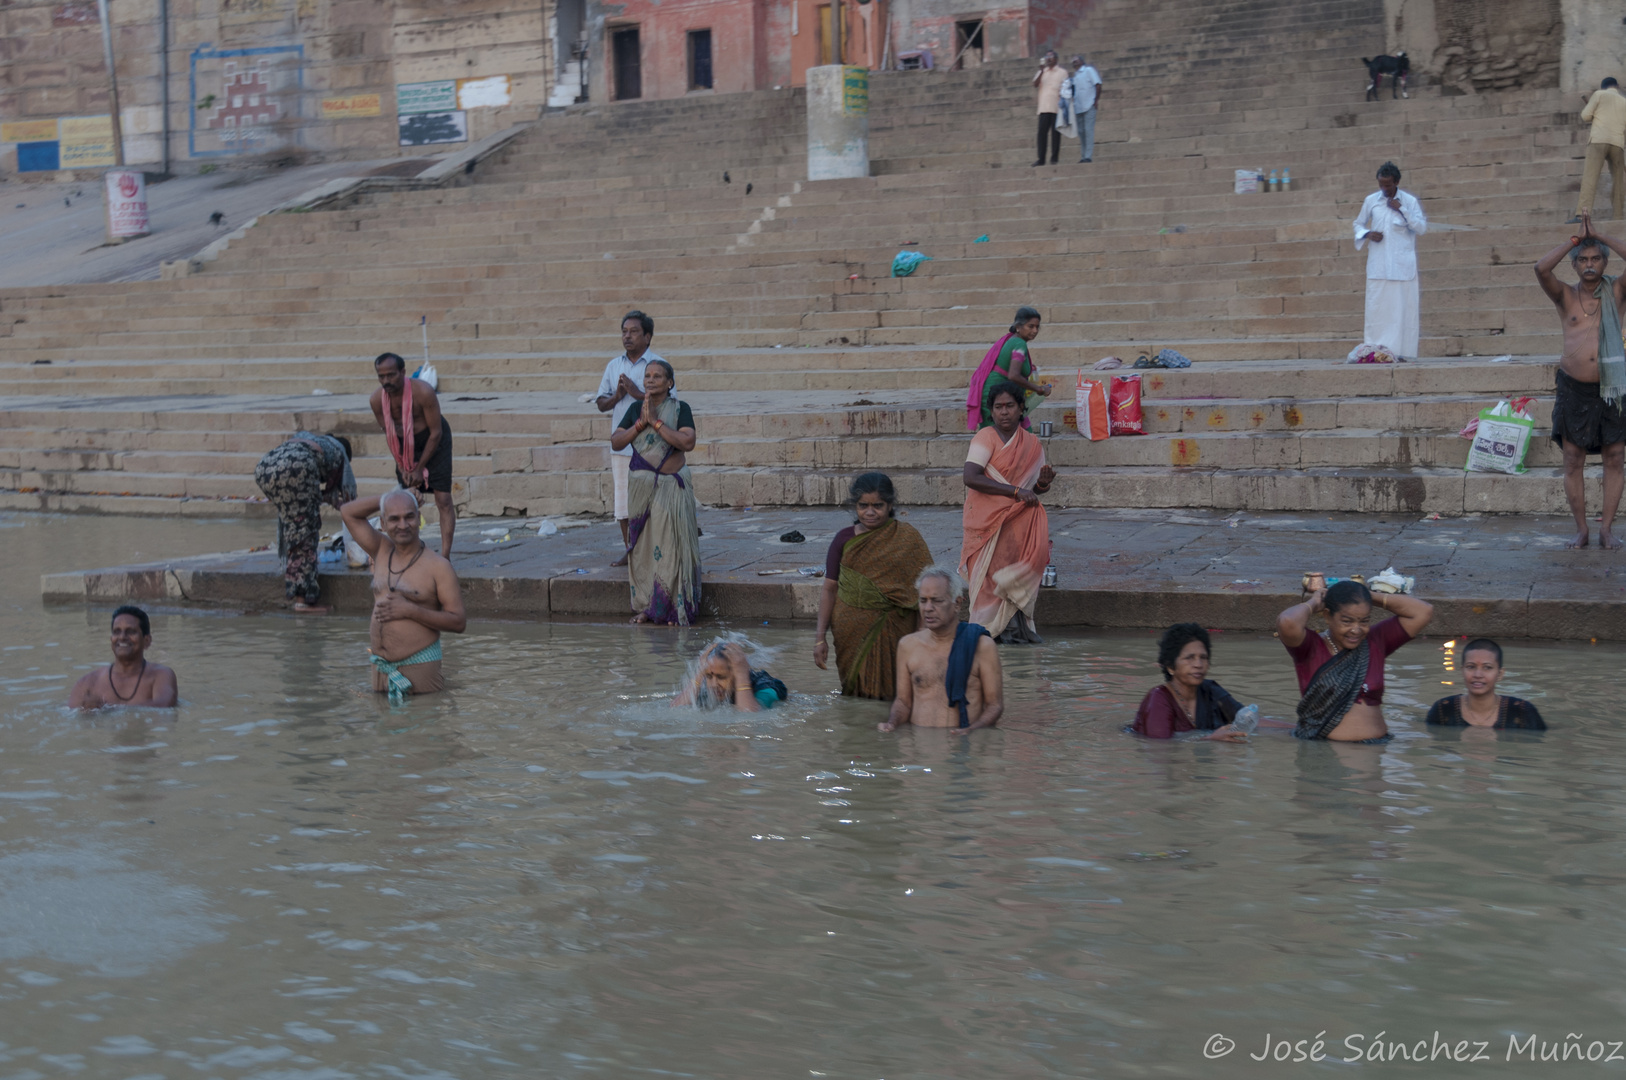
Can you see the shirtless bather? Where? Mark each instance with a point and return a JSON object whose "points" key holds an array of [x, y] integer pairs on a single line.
{"points": [[1585, 420], [925, 658], [129, 679], [416, 596]]}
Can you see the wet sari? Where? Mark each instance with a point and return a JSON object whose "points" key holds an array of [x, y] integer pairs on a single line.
{"points": [[876, 605], [1007, 542], [663, 531]]}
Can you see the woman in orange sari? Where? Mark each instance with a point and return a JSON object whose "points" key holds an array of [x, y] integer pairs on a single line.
{"points": [[869, 590], [1007, 535]]}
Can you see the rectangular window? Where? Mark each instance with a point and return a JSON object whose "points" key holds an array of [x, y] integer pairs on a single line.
{"points": [[699, 59]]}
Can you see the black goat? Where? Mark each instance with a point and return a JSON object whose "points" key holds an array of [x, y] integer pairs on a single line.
{"points": [[1398, 66]]}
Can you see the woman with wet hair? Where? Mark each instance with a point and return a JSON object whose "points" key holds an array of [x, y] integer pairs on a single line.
{"points": [[869, 590], [1341, 675], [1187, 700], [1009, 361], [1480, 664]]}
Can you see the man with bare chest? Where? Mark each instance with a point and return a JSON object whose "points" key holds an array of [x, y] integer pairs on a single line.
{"points": [[416, 596], [1587, 414], [423, 460], [948, 673], [130, 679]]}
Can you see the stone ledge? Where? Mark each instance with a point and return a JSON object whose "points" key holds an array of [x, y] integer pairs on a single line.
{"points": [[1143, 569]]}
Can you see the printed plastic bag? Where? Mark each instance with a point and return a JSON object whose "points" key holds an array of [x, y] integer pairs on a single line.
{"points": [[1124, 403], [1247, 181], [1093, 421], [1501, 440]]}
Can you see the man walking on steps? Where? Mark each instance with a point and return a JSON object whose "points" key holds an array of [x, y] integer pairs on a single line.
{"points": [[1086, 94], [1049, 82], [623, 379], [1587, 412], [1606, 112]]}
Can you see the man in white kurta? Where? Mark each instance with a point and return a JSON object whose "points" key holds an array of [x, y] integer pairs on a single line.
{"points": [[1388, 226]]}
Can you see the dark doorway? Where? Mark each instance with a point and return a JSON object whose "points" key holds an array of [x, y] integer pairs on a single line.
{"points": [[968, 43], [629, 79], [699, 59]]}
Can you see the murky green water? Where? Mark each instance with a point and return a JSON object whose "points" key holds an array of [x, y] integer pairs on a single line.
{"points": [[550, 872]]}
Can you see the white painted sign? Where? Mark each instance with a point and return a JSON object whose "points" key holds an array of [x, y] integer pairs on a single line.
{"points": [[126, 203]]}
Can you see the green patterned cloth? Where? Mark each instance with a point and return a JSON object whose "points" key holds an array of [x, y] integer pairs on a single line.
{"points": [[400, 685]]}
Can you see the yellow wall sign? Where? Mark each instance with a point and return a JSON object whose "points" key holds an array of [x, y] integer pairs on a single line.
{"points": [[87, 142], [854, 90], [337, 108], [28, 131]]}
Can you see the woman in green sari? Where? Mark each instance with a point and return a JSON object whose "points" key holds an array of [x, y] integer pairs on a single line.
{"points": [[869, 591], [663, 531], [1009, 361]]}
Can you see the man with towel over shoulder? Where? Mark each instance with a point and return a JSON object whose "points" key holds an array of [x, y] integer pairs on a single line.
{"points": [[1588, 417], [419, 437], [948, 673], [416, 595]]}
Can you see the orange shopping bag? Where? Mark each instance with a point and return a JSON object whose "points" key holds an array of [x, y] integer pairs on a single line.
{"points": [[1093, 422]]}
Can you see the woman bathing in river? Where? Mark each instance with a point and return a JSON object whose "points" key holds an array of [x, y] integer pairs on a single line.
{"points": [[1187, 700], [1482, 706], [1342, 684]]}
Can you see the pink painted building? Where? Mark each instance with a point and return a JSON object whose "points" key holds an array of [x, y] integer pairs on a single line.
{"points": [[642, 49]]}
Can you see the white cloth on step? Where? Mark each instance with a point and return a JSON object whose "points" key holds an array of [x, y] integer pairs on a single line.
{"points": [[1391, 315]]}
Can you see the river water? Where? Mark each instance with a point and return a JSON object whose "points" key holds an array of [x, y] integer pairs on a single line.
{"points": [[549, 871]]}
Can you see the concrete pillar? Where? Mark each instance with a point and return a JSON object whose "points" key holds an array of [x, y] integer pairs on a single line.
{"points": [[837, 122]]}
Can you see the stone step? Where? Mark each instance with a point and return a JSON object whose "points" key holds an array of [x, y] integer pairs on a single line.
{"points": [[1398, 490]]}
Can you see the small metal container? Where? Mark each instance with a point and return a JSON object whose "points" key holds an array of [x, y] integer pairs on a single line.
{"points": [[1045, 427], [1049, 578]]}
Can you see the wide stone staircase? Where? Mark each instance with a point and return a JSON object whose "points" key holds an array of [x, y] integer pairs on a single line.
{"points": [[804, 359]]}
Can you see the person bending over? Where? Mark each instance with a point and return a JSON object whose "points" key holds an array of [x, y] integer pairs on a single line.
{"points": [[1188, 700], [726, 677], [416, 595], [948, 673], [1342, 684], [1482, 706], [129, 679]]}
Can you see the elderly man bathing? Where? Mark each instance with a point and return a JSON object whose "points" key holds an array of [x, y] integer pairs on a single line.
{"points": [[416, 596], [948, 673], [424, 461], [1587, 412], [129, 679]]}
